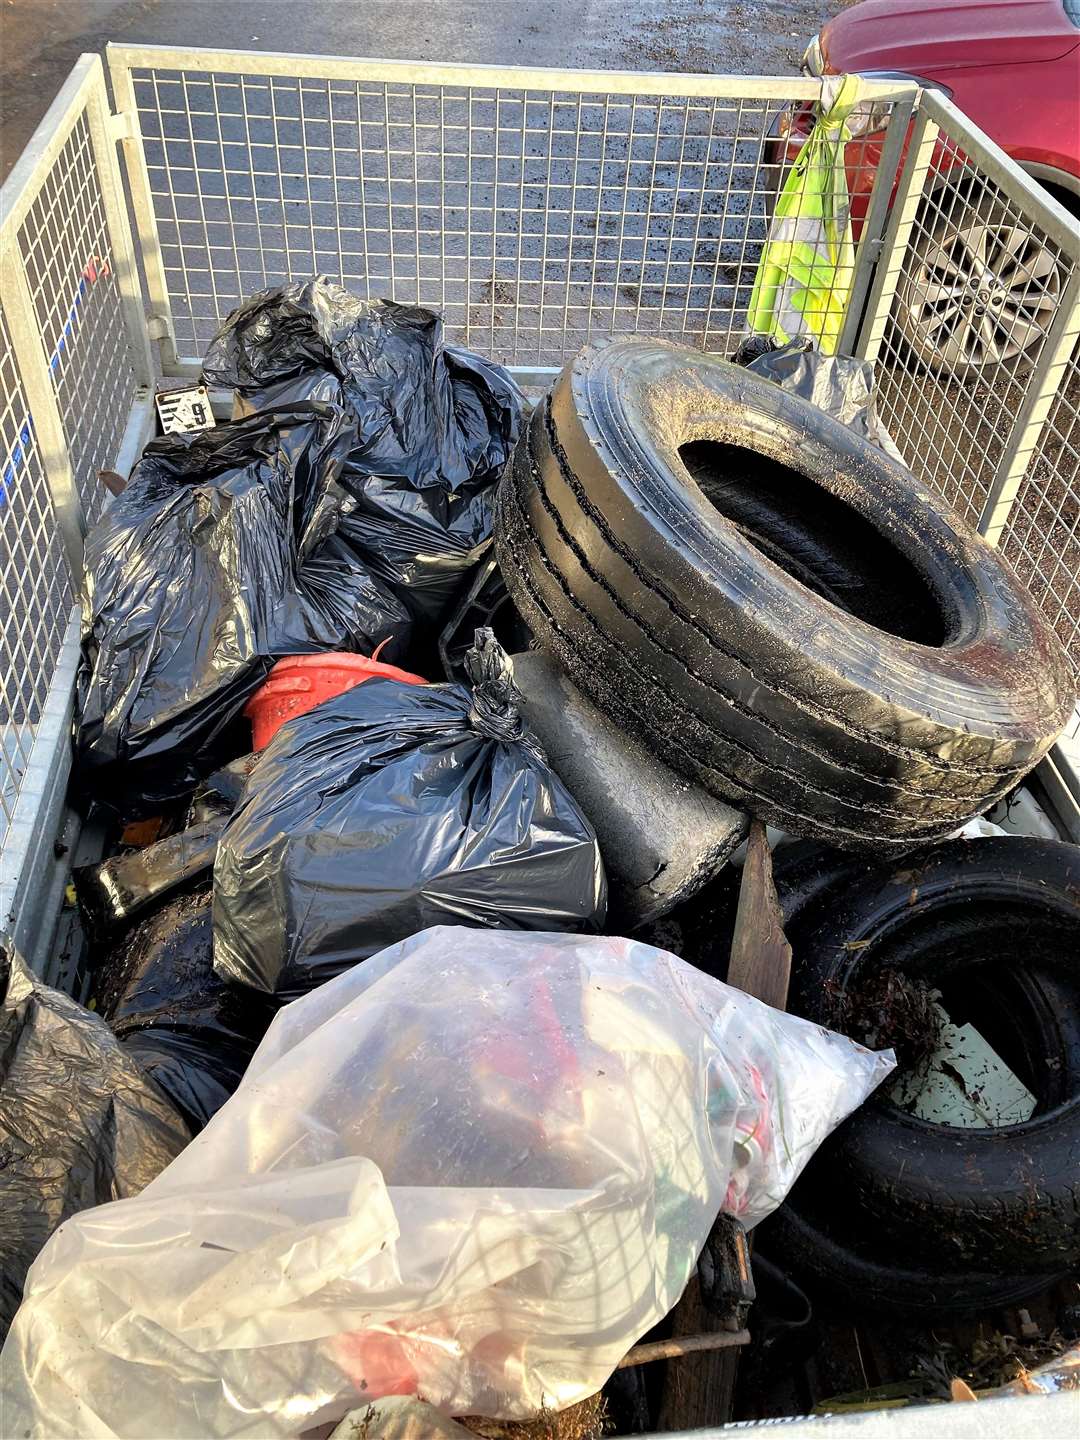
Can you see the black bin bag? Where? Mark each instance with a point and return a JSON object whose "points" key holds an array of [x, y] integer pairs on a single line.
{"points": [[191, 1031], [391, 808], [434, 424], [223, 554], [80, 1123]]}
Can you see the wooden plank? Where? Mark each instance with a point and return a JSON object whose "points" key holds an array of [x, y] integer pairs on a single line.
{"points": [[700, 1389], [760, 954]]}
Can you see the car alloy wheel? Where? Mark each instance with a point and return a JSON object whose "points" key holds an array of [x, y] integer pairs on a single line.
{"points": [[979, 293]]}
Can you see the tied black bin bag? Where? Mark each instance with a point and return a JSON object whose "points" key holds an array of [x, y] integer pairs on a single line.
{"points": [[222, 555], [394, 807], [80, 1124], [434, 424]]}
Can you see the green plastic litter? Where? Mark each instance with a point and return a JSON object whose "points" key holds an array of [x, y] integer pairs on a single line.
{"points": [[806, 270]]}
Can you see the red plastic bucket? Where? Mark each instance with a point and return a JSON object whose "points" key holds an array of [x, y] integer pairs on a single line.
{"points": [[300, 682]]}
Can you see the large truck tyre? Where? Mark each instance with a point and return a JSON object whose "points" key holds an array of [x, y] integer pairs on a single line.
{"points": [[770, 603]]}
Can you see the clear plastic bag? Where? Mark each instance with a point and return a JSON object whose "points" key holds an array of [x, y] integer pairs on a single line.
{"points": [[476, 1167]]}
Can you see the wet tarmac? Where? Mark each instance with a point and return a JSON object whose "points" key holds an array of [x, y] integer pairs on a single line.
{"points": [[41, 39]]}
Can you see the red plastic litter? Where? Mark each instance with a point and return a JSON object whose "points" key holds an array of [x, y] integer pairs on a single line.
{"points": [[300, 682]]}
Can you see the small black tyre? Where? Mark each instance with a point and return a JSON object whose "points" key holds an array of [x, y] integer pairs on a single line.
{"points": [[770, 603], [1002, 913]]}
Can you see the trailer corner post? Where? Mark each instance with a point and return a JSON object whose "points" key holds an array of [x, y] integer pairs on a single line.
{"points": [[102, 137], [905, 207], [129, 137], [871, 246]]}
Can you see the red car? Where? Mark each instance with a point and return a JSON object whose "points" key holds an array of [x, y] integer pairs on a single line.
{"points": [[1012, 66]]}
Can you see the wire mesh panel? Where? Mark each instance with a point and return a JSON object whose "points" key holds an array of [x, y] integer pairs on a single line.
{"points": [[982, 294], [533, 218], [539, 210], [71, 272], [35, 588], [72, 338], [977, 292], [1042, 535]]}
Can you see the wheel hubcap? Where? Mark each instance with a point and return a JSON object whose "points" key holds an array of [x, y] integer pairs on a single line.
{"points": [[984, 294]]}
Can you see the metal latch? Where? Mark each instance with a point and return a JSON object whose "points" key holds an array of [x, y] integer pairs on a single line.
{"points": [[123, 126]]}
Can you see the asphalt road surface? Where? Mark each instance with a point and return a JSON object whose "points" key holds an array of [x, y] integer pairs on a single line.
{"points": [[41, 39]]}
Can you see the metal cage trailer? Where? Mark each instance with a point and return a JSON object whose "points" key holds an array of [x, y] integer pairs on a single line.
{"points": [[536, 210]]}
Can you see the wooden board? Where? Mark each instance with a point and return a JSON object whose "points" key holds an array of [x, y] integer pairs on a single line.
{"points": [[700, 1389]]}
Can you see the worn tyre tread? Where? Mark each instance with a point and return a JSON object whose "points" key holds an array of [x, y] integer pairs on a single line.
{"points": [[517, 543], [942, 811], [632, 472], [751, 682], [527, 590], [997, 774]]}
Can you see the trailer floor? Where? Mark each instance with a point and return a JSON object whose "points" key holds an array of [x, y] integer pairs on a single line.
{"points": [[841, 1362]]}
